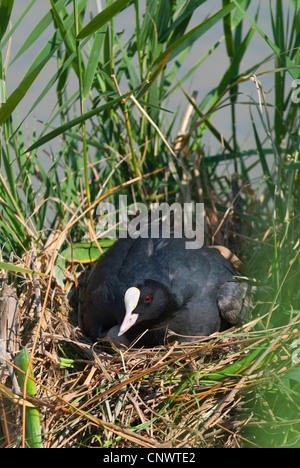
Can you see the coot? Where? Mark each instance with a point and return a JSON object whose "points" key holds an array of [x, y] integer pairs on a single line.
{"points": [[153, 291]]}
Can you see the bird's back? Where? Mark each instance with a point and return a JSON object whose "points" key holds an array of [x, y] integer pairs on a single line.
{"points": [[194, 277]]}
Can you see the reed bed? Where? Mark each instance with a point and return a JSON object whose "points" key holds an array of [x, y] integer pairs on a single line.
{"points": [[110, 130]]}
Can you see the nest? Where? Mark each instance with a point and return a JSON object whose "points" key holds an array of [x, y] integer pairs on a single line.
{"points": [[95, 395]]}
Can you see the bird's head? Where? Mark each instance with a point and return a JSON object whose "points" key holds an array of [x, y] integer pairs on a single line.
{"points": [[147, 302]]}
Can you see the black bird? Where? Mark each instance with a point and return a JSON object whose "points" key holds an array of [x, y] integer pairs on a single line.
{"points": [[157, 290]]}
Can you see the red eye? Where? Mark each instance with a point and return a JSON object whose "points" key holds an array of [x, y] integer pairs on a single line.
{"points": [[148, 299]]}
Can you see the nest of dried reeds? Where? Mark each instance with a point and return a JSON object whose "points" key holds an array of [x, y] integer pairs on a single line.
{"points": [[190, 395]]}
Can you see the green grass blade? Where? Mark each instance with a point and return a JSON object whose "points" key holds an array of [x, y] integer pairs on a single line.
{"points": [[5, 12], [164, 14], [127, 65], [38, 30], [178, 27], [190, 37], [287, 62], [52, 80], [227, 24], [77, 121], [231, 72], [13, 28], [102, 18], [65, 33], [18, 269], [263, 161], [39, 63], [35, 69], [93, 60]]}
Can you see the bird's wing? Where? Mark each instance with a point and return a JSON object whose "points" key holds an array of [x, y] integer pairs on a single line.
{"points": [[234, 301]]}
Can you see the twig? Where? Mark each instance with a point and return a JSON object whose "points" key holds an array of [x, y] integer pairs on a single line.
{"points": [[186, 119]]}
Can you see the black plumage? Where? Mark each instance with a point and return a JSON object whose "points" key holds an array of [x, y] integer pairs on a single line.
{"points": [[175, 293]]}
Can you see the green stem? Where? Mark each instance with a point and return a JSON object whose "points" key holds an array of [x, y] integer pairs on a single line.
{"points": [[138, 39], [290, 185], [129, 133], [81, 99]]}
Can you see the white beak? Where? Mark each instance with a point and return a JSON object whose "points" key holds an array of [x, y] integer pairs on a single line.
{"points": [[131, 300]]}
